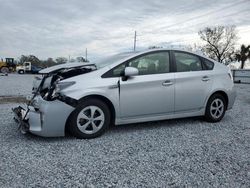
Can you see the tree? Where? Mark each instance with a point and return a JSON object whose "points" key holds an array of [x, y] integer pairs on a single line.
{"points": [[243, 55], [61, 60], [23, 59], [34, 60], [81, 59], [50, 62], [219, 42], [30, 58], [154, 47]]}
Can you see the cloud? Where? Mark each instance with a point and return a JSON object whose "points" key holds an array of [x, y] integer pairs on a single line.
{"points": [[61, 28]]}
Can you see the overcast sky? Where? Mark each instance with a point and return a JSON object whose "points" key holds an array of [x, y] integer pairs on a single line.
{"points": [[47, 28]]}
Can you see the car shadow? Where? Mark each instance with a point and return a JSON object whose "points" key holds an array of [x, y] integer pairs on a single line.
{"points": [[156, 124], [126, 128], [30, 136]]}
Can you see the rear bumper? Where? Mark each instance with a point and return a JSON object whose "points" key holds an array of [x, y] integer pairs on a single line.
{"points": [[231, 98], [48, 119]]}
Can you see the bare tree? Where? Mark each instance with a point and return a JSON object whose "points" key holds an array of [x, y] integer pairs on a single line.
{"points": [[61, 60], [219, 42], [81, 59], [30, 58], [49, 62], [154, 47]]}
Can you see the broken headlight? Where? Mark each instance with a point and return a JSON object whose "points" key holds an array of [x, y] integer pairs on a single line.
{"points": [[61, 86]]}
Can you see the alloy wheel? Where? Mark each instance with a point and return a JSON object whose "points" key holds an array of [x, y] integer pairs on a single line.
{"points": [[217, 108], [90, 119]]}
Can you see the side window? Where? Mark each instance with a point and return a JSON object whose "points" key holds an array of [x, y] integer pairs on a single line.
{"points": [[118, 70], [155, 63], [187, 62], [207, 65]]}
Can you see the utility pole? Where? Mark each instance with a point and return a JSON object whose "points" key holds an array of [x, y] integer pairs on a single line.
{"points": [[86, 54], [135, 41]]}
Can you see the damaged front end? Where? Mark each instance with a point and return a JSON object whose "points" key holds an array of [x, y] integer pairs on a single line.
{"points": [[47, 110]]}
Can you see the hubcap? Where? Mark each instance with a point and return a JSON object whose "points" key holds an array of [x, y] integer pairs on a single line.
{"points": [[217, 108], [90, 119]]}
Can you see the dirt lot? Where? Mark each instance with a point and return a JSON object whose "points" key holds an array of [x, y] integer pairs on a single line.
{"points": [[184, 152]]}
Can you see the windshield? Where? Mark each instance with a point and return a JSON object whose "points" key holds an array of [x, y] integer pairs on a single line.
{"points": [[111, 59]]}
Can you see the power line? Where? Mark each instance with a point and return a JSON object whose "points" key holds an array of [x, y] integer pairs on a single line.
{"points": [[220, 18], [172, 12], [123, 39], [200, 16], [223, 17]]}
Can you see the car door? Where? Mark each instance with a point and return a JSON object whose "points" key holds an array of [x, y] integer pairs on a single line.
{"points": [[192, 82], [152, 91]]}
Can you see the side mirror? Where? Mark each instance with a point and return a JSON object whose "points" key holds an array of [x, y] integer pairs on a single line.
{"points": [[129, 71]]}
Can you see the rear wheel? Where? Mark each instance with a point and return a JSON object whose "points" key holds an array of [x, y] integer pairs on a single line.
{"points": [[90, 119], [216, 108]]}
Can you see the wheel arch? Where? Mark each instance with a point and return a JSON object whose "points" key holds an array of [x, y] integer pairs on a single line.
{"points": [[222, 93], [104, 99], [100, 97], [2, 67], [20, 71]]}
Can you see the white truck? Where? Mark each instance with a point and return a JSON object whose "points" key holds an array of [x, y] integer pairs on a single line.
{"points": [[27, 67]]}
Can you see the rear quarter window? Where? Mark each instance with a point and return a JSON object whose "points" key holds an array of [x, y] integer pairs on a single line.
{"points": [[186, 62], [207, 64]]}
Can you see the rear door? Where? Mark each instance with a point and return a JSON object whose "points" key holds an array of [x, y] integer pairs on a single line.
{"points": [[192, 83]]}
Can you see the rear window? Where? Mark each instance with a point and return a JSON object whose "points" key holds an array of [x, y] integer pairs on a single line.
{"points": [[207, 65]]}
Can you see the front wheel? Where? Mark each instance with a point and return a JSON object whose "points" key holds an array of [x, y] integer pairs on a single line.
{"points": [[90, 119], [5, 70], [216, 108]]}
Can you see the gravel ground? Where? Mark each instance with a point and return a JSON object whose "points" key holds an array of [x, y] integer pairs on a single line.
{"points": [[16, 84], [174, 153]]}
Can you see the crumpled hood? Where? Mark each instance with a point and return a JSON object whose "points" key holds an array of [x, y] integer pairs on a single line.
{"points": [[57, 68]]}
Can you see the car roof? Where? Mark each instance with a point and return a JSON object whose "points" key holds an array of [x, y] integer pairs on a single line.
{"points": [[134, 54], [171, 49]]}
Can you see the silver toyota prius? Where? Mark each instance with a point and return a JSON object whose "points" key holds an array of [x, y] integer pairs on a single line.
{"points": [[84, 99]]}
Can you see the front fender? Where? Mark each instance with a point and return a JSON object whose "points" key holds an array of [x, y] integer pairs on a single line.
{"points": [[112, 94]]}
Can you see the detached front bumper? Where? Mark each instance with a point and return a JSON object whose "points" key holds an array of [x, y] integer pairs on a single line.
{"points": [[44, 118], [20, 116]]}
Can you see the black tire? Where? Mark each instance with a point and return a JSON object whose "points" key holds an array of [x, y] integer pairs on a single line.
{"points": [[212, 110], [5, 70], [21, 72], [74, 124]]}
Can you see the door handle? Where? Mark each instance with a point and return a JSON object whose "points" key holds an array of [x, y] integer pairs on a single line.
{"points": [[205, 78], [167, 83]]}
